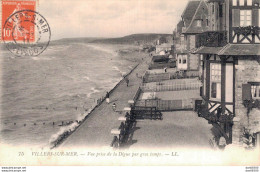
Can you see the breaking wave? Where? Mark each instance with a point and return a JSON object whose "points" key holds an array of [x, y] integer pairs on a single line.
{"points": [[93, 90], [122, 73], [66, 130]]}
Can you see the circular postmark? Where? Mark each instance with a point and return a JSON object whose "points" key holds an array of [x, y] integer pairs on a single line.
{"points": [[26, 33]]}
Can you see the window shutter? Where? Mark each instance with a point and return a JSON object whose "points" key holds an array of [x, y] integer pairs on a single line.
{"points": [[246, 92], [235, 17], [255, 16]]}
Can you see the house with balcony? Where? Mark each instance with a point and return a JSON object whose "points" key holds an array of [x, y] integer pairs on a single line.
{"points": [[194, 20], [230, 65]]}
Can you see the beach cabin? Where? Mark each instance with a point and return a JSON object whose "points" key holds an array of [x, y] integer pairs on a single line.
{"points": [[230, 54], [193, 21]]}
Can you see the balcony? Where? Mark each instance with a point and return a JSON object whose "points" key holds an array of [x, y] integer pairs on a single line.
{"points": [[211, 39], [248, 35], [212, 117]]}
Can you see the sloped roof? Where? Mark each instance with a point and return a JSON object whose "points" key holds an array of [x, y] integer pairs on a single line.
{"points": [[231, 49], [241, 49], [182, 51], [189, 12], [207, 50], [159, 57], [179, 27], [200, 12]]}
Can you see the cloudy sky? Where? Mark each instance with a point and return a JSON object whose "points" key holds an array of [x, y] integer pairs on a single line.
{"points": [[110, 18]]}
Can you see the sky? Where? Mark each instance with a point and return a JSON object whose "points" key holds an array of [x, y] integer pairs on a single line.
{"points": [[110, 18]]}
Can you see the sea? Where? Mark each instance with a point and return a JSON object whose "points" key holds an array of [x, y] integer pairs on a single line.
{"points": [[61, 85]]}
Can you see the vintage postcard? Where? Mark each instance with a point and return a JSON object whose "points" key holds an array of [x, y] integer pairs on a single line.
{"points": [[130, 82]]}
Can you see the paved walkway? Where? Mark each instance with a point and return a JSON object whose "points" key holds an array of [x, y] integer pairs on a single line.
{"points": [[177, 129], [95, 131]]}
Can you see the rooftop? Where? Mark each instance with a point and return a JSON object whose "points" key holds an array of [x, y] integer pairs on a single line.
{"points": [[189, 12]]}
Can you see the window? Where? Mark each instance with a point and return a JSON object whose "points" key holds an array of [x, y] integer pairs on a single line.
{"points": [[220, 10], [201, 60], [234, 2], [255, 91], [241, 2], [198, 23], [207, 22], [245, 17], [213, 8], [215, 80], [179, 59], [249, 2], [184, 59]]}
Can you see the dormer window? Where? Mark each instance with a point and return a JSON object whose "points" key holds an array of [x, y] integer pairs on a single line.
{"points": [[198, 23], [241, 2], [249, 3], [255, 91], [245, 17], [220, 10], [234, 2]]}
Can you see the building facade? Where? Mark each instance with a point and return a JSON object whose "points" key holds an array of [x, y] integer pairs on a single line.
{"points": [[230, 67], [193, 21]]}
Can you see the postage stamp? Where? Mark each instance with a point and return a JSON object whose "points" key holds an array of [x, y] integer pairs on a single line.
{"points": [[25, 32]]}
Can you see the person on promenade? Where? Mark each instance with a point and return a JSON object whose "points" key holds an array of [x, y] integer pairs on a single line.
{"points": [[165, 69], [107, 98], [114, 106], [127, 81]]}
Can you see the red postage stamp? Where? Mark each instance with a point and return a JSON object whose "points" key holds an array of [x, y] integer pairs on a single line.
{"points": [[23, 32]]}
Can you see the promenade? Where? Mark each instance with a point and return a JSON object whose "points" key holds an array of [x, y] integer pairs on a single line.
{"points": [[177, 129], [95, 130]]}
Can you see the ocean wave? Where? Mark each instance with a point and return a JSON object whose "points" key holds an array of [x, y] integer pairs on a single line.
{"points": [[87, 78], [103, 49], [6, 130], [42, 58], [122, 73], [55, 138], [93, 90], [65, 131]]}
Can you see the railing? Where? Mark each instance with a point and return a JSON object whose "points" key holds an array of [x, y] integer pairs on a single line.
{"points": [[168, 76], [124, 132], [137, 94], [203, 112], [141, 112], [156, 77], [247, 34], [172, 87], [162, 65], [211, 39], [167, 105]]}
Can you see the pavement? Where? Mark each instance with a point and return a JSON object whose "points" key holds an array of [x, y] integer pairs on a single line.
{"points": [[178, 129], [95, 130]]}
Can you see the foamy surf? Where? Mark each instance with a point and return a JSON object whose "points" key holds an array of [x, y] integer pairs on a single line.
{"points": [[87, 78], [66, 130], [122, 73], [93, 91], [42, 58], [104, 49], [63, 133]]}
